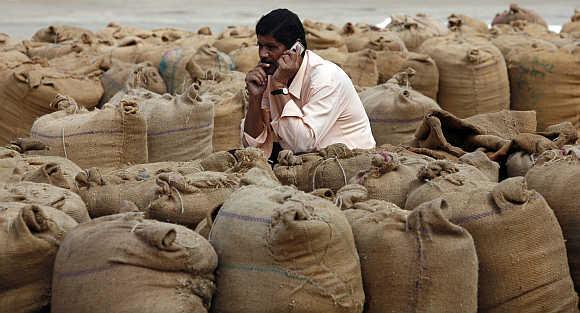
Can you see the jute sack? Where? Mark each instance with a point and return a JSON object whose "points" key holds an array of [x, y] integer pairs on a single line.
{"points": [[337, 167], [508, 221], [48, 51], [324, 39], [226, 92], [61, 33], [220, 161], [515, 13], [46, 195], [467, 24], [53, 170], [30, 236], [339, 57], [108, 137], [114, 31], [385, 41], [295, 170], [118, 192], [426, 78], [555, 177], [414, 261], [442, 177], [361, 67], [187, 199], [245, 58], [574, 25], [12, 59], [473, 77], [295, 250], [231, 40], [27, 91], [174, 265], [121, 74], [11, 165], [179, 128], [396, 110], [544, 81], [519, 41], [414, 30], [390, 177], [6, 41], [347, 196]]}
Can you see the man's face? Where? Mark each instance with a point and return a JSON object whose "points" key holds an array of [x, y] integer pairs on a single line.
{"points": [[270, 51]]}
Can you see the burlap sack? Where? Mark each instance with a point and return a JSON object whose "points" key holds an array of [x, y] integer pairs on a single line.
{"points": [[27, 91], [396, 110], [295, 170], [519, 41], [442, 177], [245, 58], [543, 81], [174, 266], [46, 195], [220, 161], [466, 24], [249, 158], [53, 170], [227, 93], [233, 39], [515, 13], [11, 165], [414, 30], [426, 78], [390, 177], [30, 236], [117, 192], [111, 137], [186, 200], [361, 67], [62, 33], [48, 51], [358, 37], [574, 25], [211, 59], [472, 75], [179, 128], [12, 59], [521, 251], [414, 261], [6, 41], [556, 179], [324, 39], [339, 57], [347, 196], [121, 74], [115, 31], [385, 41], [483, 163], [295, 250]]}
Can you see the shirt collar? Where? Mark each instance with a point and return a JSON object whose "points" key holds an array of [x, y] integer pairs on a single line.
{"points": [[296, 86]]}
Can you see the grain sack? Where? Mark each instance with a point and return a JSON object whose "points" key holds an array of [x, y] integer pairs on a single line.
{"points": [[187, 199], [50, 51], [522, 257], [442, 177], [249, 158], [53, 170], [390, 177], [114, 31], [546, 81], [220, 161], [324, 39], [414, 30], [295, 250], [385, 41], [414, 261], [227, 93], [294, 170], [6, 41], [472, 75], [110, 137], [516, 13], [173, 264], [27, 91], [482, 162], [12, 59], [121, 74], [61, 33], [46, 195], [519, 41], [179, 128], [122, 191], [574, 25], [129, 49], [232, 39], [426, 78], [150, 170], [388, 64], [11, 165], [347, 196], [467, 24], [555, 177], [211, 59], [396, 110], [30, 236], [245, 58], [361, 67]]}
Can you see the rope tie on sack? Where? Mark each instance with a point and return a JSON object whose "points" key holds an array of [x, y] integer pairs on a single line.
{"points": [[135, 227], [324, 161], [180, 199]]}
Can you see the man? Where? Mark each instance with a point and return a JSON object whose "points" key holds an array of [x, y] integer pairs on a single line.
{"points": [[299, 100]]}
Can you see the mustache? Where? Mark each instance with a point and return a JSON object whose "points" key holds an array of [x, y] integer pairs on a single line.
{"points": [[268, 61]]}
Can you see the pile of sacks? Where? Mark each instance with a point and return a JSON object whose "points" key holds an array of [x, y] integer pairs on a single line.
{"points": [[467, 204]]}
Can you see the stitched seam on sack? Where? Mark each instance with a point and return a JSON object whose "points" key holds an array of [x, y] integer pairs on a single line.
{"points": [[268, 269], [247, 218]]}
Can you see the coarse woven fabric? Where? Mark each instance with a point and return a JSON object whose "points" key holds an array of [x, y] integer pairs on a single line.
{"points": [[108, 137], [296, 250], [30, 236], [473, 78], [174, 266], [414, 261], [414, 30]]}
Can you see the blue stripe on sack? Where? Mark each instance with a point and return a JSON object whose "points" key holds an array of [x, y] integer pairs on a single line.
{"points": [[247, 218], [265, 269], [89, 132]]}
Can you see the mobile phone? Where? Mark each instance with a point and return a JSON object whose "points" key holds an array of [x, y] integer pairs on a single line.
{"points": [[297, 47]]}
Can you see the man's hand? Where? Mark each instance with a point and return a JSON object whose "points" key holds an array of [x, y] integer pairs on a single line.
{"points": [[288, 65], [257, 80]]}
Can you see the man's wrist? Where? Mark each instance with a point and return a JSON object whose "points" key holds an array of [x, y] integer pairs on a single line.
{"points": [[278, 85]]}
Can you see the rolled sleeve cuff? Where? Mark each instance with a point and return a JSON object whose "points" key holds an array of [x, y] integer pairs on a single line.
{"points": [[256, 142], [291, 109]]}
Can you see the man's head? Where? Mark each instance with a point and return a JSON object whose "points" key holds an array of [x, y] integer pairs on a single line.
{"points": [[277, 31]]}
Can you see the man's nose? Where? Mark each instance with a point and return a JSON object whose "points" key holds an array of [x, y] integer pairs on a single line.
{"points": [[264, 53]]}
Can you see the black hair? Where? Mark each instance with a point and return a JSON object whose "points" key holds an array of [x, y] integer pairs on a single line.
{"points": [[284, 25]]}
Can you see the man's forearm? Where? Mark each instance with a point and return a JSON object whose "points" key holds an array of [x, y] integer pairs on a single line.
{"points": [[254, 123]]}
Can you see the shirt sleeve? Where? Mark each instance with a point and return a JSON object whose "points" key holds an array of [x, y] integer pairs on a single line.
{"points": [[302, 127], [264, 141]]}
